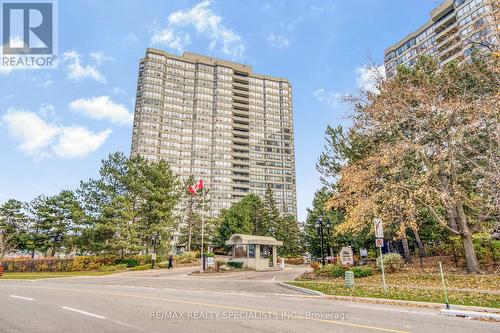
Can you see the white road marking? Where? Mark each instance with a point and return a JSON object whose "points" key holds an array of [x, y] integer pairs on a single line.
{"points": [[274, 277], [21, 297], [83, 312]]}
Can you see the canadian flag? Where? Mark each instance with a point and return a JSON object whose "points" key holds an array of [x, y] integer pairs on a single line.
{"points": [[194, 188]]}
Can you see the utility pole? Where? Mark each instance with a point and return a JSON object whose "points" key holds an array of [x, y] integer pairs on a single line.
{"points": [[202, 268]]}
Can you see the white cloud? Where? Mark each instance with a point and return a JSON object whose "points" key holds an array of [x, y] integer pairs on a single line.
{"points": [[76, 71], [368, 77], [206, 23], [329, 98], [131, 38], [79, 141], [172, 39], [100, 57], [101, 108], [118, 91], [33, 132], [5, 70], [45, 84], [39, 138], [47, 110], [278, 41]]}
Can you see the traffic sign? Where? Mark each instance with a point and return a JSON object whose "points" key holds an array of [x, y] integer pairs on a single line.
{"points": [[379, 242], [379, 230]]}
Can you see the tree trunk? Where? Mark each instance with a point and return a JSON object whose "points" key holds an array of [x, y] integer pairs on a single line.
{"points": [[421, 247], [469, 252], [452, 217], [406, 249], [2, 247]]}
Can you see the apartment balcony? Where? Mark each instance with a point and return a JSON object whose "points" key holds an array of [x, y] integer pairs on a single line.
{"points": [[240, 174], [239, 140], [240, 106], [239, 133], [242, 94], [240, 99], [446, 33], [241, 120], [445, 21], [241, 161], [450, 51], [240, 128], [241, 145], [240, 166], [240, 190], [240, 153], [238, 86], [242, 183], [240, 78], [457, 56], [450, 43]]}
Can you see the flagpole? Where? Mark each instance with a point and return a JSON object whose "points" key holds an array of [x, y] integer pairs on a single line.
{"points": [[202, 225]]}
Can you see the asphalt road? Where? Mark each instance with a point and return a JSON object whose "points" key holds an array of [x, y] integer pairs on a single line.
{"points": [[163, 301]]}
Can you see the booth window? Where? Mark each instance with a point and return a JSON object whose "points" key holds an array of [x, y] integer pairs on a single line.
{"points": [[251, 251], [240, 251], [266, 251]]}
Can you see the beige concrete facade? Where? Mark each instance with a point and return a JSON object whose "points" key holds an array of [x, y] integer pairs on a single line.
{"points": [[218, 121], [255, 252], [454, 28]]}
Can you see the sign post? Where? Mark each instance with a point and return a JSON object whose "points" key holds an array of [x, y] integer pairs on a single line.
{"points": [[379, 242]]}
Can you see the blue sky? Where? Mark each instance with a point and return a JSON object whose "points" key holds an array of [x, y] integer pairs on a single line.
{"points": [[56, 125]]}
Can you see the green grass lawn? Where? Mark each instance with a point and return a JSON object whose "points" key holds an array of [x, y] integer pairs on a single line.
{"points": [[45, 275], [407, 294]]}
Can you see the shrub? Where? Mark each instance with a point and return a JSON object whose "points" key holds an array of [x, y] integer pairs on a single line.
{"points": [[392, 262], [487, 249], [140, 268], [127, 261], [316, 266], [362, 271], [112, 268], [332, 270], [294, 260], [219, 263], [87, 263], [186, 258], [162, 265], [209, 254], [235, 264]]}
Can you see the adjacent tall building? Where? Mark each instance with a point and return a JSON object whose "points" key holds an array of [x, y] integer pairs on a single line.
{"points": [[218, 121], [454, 29]]}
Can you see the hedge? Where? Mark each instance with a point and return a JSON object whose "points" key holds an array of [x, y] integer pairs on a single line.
{"points": [[235, 264]]}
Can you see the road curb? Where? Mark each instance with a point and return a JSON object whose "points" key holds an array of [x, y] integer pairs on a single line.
{"points": [[470, 314], [300, 289], [414, 303], [463, 308]]}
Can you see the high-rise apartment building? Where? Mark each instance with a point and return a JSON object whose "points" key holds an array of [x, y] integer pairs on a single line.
{"points": [[454, 29], [218, 121]]}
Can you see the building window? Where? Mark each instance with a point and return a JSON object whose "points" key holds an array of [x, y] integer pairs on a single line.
{"points": [[266, 251], [251, 251], [240, 251]]}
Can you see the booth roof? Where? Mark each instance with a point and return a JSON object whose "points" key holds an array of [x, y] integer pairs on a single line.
{"points": [[239, 239]]}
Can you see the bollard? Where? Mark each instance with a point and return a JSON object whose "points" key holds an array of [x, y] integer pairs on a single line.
{"points": [[282, 263], [349, 279]]}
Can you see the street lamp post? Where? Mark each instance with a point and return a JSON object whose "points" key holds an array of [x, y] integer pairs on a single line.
{"points": [[319, 227]]}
